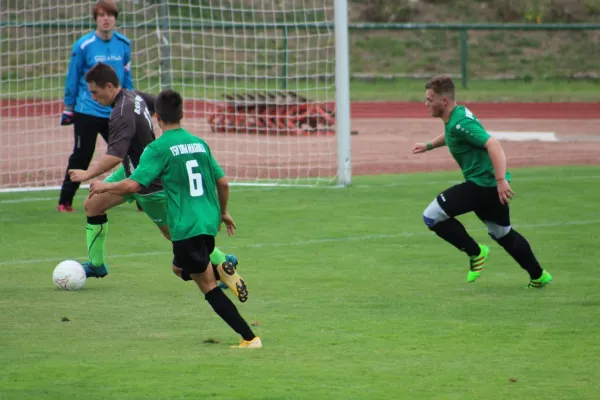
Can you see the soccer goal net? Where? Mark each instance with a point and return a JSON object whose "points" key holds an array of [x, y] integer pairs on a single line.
{"points": [[263, 82]]}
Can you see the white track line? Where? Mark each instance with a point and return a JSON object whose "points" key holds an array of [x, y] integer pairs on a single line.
{"points": [[520, 136], [26, 200], [424, 232], [373, 186]]}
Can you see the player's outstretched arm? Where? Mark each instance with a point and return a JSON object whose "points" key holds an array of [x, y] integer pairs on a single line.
{"points": [[106, 163], [121, 188], [438, 141]]}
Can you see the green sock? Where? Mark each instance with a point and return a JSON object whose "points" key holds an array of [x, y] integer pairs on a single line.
{"points": [[96, 229], [217, 256]]}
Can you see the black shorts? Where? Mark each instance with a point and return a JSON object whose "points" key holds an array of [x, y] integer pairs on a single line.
{"points": [[468, 196], [193, 254]]}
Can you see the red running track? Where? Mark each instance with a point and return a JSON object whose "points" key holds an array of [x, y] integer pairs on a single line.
{"points": [[32, 108]]}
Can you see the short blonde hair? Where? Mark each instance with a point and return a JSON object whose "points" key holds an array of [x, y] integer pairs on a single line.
{"points": [[442, 84]]}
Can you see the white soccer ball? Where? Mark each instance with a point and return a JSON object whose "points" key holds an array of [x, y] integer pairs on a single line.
{"points": [[69, 275]]}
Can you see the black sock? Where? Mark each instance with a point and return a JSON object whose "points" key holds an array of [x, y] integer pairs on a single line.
{"points": [[518, 247], [229, 313], [454, 233], [97, 219]]}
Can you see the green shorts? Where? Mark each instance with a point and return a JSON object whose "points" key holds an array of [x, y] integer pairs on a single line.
{"points": [[154, 205]]}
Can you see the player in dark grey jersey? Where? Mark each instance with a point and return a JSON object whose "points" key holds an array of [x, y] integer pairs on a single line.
{"points": [[130, 130]]}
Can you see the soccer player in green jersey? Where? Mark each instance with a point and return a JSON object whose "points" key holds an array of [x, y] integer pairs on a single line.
{"points": [[197, 196], [130, 130], [486, 190]]}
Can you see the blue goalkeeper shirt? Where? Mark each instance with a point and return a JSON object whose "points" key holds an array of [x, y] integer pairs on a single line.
{"points": [[87, 51]]}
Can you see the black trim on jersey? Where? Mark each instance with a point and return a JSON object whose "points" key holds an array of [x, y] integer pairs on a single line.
{"points": [[122, 39]]}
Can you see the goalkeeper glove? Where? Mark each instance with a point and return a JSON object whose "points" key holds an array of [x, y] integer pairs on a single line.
{"points": [[68, 116]]}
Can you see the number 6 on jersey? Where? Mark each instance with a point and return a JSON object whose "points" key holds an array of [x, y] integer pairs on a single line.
{"points": [[196, 189]]}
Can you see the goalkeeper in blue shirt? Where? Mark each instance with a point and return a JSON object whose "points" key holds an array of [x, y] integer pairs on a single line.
{"points": [[86, 115]]}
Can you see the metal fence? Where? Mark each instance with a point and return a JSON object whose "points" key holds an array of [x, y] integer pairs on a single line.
{"points": [[463, 30]]}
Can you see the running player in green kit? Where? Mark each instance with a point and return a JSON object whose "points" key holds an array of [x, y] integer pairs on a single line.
{"points": [[486, 190], [197, 192]]}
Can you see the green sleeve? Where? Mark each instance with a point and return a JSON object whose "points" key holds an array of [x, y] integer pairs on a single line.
{"points": [[219, 173], [150, 167], [471, 132]]}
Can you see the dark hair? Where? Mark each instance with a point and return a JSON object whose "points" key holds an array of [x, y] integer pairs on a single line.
{"points": [[102, 74], [442, 84], [108, 6], [169, 106]]}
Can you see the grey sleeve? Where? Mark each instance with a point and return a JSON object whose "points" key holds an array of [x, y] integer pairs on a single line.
{"points": [[121, 130], [149, 99]]}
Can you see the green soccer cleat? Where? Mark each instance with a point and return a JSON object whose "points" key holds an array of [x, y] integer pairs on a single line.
{"points": [[93, 271], [540, 282], [477, 263]]}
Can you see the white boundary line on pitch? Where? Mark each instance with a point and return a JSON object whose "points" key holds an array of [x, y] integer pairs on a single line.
{"points": [[454, 181], [383, 185], [524, 136], [26, 200], [313, 241]]}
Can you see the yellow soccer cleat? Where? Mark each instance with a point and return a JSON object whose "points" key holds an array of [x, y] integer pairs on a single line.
{"points": [[249, 344], [229, 276]]}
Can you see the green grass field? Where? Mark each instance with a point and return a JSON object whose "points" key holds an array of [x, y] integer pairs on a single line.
{"points": [[353, 298], [360, 90]]}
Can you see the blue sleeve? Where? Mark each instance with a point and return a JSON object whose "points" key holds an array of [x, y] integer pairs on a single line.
{"points": [[75, 68], [127, 78]]}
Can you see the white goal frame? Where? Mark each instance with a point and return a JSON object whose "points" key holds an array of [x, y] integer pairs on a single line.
{"points": [[154, 23]]}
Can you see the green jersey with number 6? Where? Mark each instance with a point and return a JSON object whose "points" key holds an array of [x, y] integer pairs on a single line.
{"points": [[189, 174], [466, 138]]}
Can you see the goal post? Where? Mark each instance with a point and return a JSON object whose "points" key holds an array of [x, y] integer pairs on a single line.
{"points": [[266, 84], [342, 82]]}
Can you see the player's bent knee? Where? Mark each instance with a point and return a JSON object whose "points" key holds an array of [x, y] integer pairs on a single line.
{"points": [[94, 207], [434, 214], [86, 205], [428, 221], [496, 231]]}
